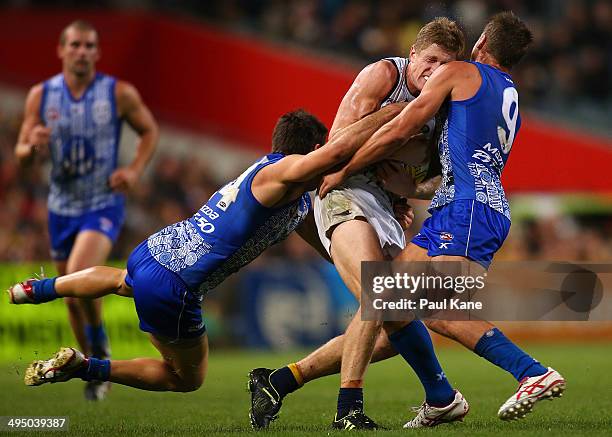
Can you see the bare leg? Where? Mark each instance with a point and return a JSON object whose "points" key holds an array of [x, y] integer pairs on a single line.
{"points": [[467, 333], [182, 367], [360, 336], [75, 313], [327, 359], [91, 248], [93, 282]]}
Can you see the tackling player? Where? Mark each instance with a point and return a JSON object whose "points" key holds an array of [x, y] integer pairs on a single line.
{"points": [[168, 273], [470, 206], [355, 224], [76, 116]]}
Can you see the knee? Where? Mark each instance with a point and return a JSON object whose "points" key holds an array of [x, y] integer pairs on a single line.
{"points": [[391, 327], [442, 327], [186, 386], [73, 305]]}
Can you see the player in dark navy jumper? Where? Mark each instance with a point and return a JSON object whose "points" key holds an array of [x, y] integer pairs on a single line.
{"points": [[76, 118], [168, 273]]}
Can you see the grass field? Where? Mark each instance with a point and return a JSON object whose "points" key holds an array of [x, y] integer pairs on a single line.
{"points": [[220, 406]]}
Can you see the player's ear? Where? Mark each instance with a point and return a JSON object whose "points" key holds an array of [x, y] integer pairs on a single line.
{"points": [[481, 41], [412, 53], [317, 146]]}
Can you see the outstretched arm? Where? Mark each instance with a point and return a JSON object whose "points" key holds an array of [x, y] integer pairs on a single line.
{"points": [[393, 135], [296, 174], [302, 168]]}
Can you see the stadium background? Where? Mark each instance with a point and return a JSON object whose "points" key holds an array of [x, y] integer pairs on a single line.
{"points": [[217, 74]]}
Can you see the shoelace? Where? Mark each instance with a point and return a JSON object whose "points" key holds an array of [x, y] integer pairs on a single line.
{"points": [[421, 412], [40, 276], [361, 417]]}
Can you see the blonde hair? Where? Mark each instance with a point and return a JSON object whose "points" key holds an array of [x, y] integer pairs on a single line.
{"points": [[444, 32]]}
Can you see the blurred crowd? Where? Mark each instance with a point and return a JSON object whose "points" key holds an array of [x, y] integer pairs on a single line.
{"points": [[568, 72], [177, 186]]}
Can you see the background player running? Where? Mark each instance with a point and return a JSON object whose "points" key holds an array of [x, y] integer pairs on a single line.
{"points": [[77, 116], [168, 273]]}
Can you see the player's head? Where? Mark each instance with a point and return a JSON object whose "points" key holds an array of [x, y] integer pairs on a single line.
{"points": [[78, 48], [505, 39], [438, 42], [297, 132]]}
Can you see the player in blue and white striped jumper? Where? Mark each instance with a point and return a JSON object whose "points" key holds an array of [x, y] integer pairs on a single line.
{"points": [[76, 118]]}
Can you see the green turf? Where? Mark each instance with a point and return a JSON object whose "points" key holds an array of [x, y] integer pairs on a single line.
{"points": [[220, 406]]}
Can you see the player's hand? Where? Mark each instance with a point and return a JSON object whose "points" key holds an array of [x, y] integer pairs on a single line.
{"points": [[404, 213], [331, 181], [395, 178], [39, 136], [37, 142], [123, 179]]}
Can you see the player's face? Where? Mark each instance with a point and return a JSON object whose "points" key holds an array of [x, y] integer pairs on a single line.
{"points": [[425, 62], [79, 53]]}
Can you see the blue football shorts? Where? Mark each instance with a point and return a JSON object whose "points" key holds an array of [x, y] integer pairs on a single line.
{"points": [[165, 306], [464, 228], [63, 230]]}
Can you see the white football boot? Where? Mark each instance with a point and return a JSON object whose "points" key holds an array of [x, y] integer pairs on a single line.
{"points": [[61, 367], [531, 390], [22, 292], [428, 416]]}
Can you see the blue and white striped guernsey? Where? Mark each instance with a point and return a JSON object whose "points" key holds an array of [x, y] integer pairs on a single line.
{"points": [[84, 145]]}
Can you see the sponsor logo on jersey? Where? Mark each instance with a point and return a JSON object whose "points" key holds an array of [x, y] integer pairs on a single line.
{"points": [[52, 114], [106, 224], [446, 236], [101, 112]]}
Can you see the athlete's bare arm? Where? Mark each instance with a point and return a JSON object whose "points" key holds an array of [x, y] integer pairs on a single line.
{"points": [[455, 80], [131, 108], [290, 177], [33, 135], [365, 95]]}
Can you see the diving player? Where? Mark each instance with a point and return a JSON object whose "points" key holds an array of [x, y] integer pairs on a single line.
{"points": [[469, 210], [168, 273], [76, 117]]}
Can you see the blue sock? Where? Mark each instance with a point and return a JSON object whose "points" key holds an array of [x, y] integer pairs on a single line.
{"points": [[414, 344], [96, 337], [96, 370], [283, 381], [495, 347], [44, 290], [349, 399]]}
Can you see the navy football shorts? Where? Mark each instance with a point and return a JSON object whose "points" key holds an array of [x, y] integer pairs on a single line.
{"points": [[64, 229], [464, 228], [165, 306]]}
